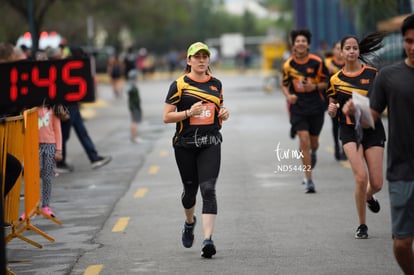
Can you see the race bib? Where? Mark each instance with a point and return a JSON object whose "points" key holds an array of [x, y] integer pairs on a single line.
{"points": [[298, 84], [206, 117]]}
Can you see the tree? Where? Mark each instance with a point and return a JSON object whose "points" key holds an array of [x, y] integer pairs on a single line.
{"points": [[33, 14], [159, 25]]}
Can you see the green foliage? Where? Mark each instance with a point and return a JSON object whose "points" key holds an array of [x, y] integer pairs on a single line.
{"points": [[157, 24]]}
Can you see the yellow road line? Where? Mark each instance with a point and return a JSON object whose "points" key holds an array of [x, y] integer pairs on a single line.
{"points": [[93, 270], [163, 153], [329, 149], [87, 109], [344, 163], [121, 224], [96, 103], [153, 169], [140, 192], [88, 113]]}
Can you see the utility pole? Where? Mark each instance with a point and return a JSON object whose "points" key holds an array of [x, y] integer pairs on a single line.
{"points": [[32, 28]]}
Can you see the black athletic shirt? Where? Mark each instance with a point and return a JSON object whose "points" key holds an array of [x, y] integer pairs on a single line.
{"points": [[342, 85], [394, 89], [314, 70], [184, 92]]}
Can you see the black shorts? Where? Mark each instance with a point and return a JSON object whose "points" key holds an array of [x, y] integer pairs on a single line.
{"points": [[371, 137], [311, 123], [136, 115]]}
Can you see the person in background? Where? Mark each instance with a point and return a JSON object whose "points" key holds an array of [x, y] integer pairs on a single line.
{"points": [[334, 63], [134, 105], [25, 51], [50, 151], [364, 148], [172, 60], [305, 79], [130, 60], [195, 103], [393, 90], [140, 62], [76, 121], [115, 71], [323, 49]]}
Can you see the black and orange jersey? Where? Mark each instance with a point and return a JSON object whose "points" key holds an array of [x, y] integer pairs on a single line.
{"points": [[295, 72], [184, 92], [333, 65], [342, 85]]}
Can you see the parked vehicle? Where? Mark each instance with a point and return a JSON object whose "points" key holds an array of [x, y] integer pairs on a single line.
{"points": [[46, 40]]}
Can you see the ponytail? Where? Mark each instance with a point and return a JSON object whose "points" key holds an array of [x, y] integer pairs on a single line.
{"points": [[369, 44]]}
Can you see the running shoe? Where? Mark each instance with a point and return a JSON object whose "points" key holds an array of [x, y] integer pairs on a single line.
{"points": [[373, 205], [46, 210], [188, 234], [310, 187], [361, 232], [208, 249], [63, 168], [313, 159], [137, 140], [101, 161]]}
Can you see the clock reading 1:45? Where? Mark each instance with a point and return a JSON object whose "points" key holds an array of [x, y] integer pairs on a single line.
{"points": [[32, 83]]}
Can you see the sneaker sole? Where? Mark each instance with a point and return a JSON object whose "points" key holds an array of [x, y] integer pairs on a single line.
{"points": [[63, 171], [96, 166], [374, 210], [208, 251]]}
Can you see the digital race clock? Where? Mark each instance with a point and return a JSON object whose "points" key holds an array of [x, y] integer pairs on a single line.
{"points": [[25, 84]]}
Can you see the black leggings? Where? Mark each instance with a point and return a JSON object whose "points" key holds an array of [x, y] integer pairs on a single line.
{"points": [[199, 167]]}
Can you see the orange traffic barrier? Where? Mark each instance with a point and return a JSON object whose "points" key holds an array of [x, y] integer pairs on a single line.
{"points": [[11, 201], [14, 145], [3, 263], [3, 152], [25, 147], [13, 140]]}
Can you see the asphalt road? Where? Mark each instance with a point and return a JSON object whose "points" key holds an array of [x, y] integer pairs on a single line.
{"points": [[126, 217]]}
